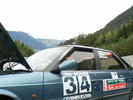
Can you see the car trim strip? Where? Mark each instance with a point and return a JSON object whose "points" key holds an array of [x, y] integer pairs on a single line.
{"points": [[116, 94]]}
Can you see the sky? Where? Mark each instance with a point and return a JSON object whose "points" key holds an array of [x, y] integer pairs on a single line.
{"points": [[59, 19]]}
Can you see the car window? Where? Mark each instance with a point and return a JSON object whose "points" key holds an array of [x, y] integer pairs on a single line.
{"points": [[109, 62], [85, 60], [42, 59]]}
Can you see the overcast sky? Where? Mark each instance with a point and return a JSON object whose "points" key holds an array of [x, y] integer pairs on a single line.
{"points": [[59, 19]]}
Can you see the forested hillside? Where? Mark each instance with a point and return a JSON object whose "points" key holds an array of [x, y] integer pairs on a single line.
{"points": [[124, 18], [27, 39], [25, 50], [117, 35], [36, 44]]}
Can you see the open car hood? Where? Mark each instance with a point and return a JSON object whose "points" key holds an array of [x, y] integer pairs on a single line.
{"points": [[8, 50]]}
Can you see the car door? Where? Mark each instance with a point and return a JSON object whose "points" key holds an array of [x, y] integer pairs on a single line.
{"points": [[81, 83], [116, 77]]}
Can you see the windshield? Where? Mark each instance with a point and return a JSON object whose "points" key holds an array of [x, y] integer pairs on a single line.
{"points": [[40, 60]]}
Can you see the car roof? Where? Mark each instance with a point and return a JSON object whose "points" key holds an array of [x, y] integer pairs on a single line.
{"points": [[87, 47]]}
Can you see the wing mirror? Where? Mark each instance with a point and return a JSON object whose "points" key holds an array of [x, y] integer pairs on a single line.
{"points": [[68, 65]]}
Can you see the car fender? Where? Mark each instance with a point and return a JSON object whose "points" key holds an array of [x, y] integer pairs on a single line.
{"points": [[9, 94]]}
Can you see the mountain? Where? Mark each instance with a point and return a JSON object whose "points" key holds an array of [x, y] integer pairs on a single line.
{"points": [[50, 42], [36, 44], [124, 18], [117, 35], [27, 39]]}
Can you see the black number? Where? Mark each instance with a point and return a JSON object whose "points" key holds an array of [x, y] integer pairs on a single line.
{"points": [[68, 91], [85, 84]]}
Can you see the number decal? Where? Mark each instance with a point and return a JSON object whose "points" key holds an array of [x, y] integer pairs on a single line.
{"points": [[73, 90], [75, 84], [70, 85], [84, 84]]}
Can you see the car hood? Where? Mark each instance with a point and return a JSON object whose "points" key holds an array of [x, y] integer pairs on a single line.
{"points": [[8, 50]]}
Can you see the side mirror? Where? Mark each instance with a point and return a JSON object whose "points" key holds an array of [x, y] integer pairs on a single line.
{"points": [[68, 65]]}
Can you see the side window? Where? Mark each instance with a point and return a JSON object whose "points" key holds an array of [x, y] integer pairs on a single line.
{"points": [[109, 62], [85, 60]]}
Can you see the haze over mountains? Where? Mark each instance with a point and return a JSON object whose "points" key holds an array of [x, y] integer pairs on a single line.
{"points": [[36, 44], [50, 42]]}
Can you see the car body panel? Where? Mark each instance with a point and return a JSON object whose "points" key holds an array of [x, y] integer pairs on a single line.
{"points": [[20, 85], [115, 93], [53, 85]]}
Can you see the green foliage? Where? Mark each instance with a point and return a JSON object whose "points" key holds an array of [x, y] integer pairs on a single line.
{"points": [[25, 50], [119, 40], [116, 35], [122, 47], [124, 18]]}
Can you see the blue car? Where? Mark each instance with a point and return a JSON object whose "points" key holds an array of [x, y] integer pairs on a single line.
{"points": [[70, 72]]}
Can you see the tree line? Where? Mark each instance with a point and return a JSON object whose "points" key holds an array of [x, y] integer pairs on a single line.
{"points": [[119, 40], [24, 49]]}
